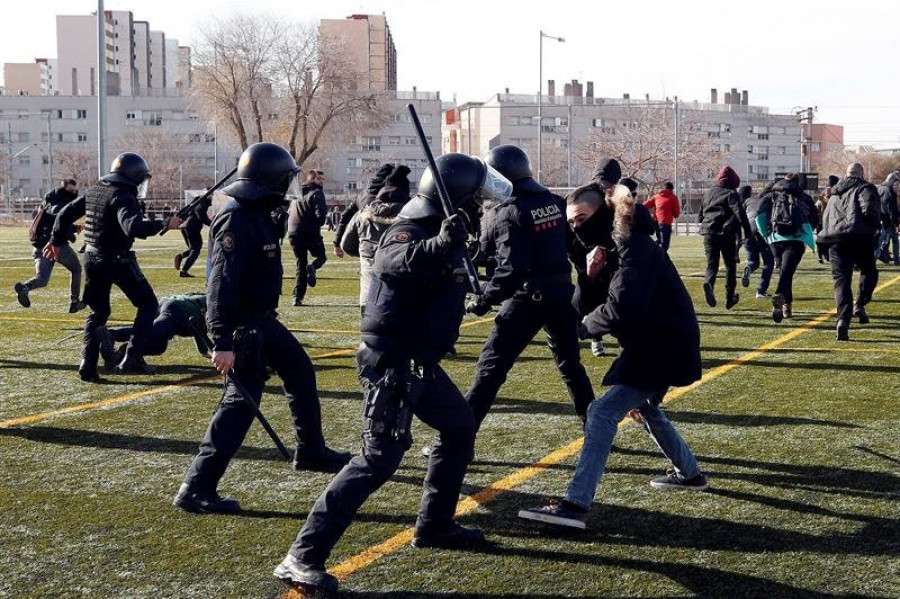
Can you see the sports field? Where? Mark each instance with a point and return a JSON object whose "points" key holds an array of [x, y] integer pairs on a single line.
{"points": [[798, 434]]}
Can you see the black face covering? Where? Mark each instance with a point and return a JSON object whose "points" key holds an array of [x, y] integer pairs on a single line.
{"points": [[596, 230]]}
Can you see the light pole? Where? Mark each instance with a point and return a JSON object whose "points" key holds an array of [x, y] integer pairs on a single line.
{"points": [[101, 92], [540, 99]]}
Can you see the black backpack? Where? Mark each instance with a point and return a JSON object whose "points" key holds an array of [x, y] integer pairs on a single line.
{"points": [[786, 214], [41, 227]]}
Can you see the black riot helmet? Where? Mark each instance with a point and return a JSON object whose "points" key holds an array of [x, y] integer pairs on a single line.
{"points": [[129, 168], [468, 180], [512, 162], [266, 171]]}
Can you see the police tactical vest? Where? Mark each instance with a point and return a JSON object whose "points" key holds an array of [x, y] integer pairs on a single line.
{"points": [[96, 201]]}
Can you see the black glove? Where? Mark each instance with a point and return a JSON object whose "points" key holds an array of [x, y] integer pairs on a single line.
{"points": [[582, 331], [453, 233], [478, 307]]}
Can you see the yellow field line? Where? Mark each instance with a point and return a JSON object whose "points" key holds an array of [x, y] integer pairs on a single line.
{"points": [[95, 405], [61, 319], [469, 504]]}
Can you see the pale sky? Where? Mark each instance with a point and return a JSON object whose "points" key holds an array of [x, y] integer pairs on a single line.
{"points": [[839, 56]]}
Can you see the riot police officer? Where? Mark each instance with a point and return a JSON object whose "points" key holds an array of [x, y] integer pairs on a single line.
{"points": [[411, 321], [242, 295], [113, 220], [532, 282]]}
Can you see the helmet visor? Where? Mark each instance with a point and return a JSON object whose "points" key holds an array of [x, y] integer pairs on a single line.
{"points": [[294, 191], [496, 187], [143, 188]]}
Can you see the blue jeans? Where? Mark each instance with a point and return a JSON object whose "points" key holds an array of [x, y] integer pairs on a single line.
{"points": [[756, 250], [664, 236], [604, 415]]}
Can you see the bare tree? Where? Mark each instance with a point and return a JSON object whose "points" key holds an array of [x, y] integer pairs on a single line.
{"points": [[280, 82], [641, 138], [75, 163], [174, 163]]}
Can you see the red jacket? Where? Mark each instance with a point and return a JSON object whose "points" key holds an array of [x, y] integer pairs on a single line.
{"points": [[664, 207]]}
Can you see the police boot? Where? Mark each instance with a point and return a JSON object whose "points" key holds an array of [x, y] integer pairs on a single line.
{"points": [[198, 502], [322, 459], [107, 348], [87, 370], [454, 537], [133, 362], [307, 578]]}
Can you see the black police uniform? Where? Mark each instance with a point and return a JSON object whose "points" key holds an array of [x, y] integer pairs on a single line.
{"points": [[242, 295], [113, 220], [532, 280], [192, 230], [412, 320], [306, 217]]}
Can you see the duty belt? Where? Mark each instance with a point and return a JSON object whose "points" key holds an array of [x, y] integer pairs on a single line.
{"points": [[116, 254]]}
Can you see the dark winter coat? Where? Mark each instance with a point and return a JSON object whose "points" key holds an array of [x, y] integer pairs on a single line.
{"points": [[307, 215], [648, 310], [366, 228], [722, 213], [853, 210]]}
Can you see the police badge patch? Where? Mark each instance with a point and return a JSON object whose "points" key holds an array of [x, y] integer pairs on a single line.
{"points": [[401, 237], [228, 241]]}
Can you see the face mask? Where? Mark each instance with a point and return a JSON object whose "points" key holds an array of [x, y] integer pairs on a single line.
{"points": [[597, 229]]}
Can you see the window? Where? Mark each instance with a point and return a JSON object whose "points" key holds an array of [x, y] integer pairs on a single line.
{"points": [[209, 138], [351, 186], [815, 146], [713, 134], [25, 160], [59, 137], [81, 114], [394, 140], [24, 137], [194, 138], [371, 143], [155, 119], [81, 137], [781, 150], [724, 127], [351, 162], [45, 159], [132, 115], [426, 119], [410, 141], [725, 148], [763, 136]]}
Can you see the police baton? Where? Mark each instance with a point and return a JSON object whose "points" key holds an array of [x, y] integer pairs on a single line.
{"points": [[245, 395], [445, 197], [186, 210]]}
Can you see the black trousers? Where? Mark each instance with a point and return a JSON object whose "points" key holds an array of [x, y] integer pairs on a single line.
{"points": [[844, 255], [518, 321], [275, 346], [724, 246], [101, 273], [788, 254], [441, 407], [303, 246], [194, 241], [167, 326]]}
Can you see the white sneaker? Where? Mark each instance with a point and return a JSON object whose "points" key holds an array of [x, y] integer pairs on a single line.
{"points": [[597, 348]]}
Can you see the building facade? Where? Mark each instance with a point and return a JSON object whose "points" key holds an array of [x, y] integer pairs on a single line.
{"points": [[754, 142], [56, 136], [824, 141], [368, 42]]}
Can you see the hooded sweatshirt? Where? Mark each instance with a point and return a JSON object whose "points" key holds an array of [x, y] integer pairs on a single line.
{"points": [[721, 211]]}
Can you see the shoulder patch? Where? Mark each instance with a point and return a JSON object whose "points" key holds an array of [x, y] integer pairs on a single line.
{"points": [[401, 237], [228, 241]]}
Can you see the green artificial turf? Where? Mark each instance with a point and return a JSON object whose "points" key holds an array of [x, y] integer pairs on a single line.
{"points": [[800, 444]]}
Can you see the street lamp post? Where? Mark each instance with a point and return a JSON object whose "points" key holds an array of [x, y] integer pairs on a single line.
{"points": [[540, 100]]}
